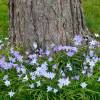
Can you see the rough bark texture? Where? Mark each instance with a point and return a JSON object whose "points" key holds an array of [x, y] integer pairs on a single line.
{"points": [[45, 21]]}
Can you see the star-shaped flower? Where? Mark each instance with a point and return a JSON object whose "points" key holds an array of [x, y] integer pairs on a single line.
{"points": [[7, 83], [83, 85], [11, 93], [25, 78], [50, 75], [5, 77], [49, 88], [38, 83], [69, 66], [96, 35], [31, 85], [77, 40], [55, 90], [63, 82], [93, 42], [92, 63], [98, 79]]}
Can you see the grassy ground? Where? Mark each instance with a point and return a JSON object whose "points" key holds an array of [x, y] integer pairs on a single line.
{"points": [[91, 10], [21, 83], [92, 14], [3, 18]]}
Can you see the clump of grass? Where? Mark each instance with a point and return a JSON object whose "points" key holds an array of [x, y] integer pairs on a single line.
{"points": [[92, 14], [3, 18]]}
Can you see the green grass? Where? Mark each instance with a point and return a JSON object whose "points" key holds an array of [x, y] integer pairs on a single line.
{"points": [[91, 10], [92, 14], [3, 18], [71, 92]]}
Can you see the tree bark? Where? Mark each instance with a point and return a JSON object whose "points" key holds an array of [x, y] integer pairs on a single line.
{"points": [[45, 22]]}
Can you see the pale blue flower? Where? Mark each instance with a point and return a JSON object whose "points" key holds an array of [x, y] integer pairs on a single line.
{"points": [[78, 40], [63, 82], [50, 59], [49, 88], [70, 53], [5, 77], [7, 83], [11, 93], [54, 66], [50, 75]]}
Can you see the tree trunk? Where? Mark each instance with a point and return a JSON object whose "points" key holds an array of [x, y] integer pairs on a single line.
{"points": [[45, 22]]}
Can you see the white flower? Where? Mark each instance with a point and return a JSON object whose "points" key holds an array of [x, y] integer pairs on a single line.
{"points": [[41, 71], [77, 40], [88, 59], [7, 83], [44, 65], [83, 85], [34, 61], [62, 73], [33, 77], [27, 52], [11, 93], [1, 41], [70, 69], [47, 52], [83, 71], [19, 76], [5, 77], [55, 90], [50, 59], [18, 69], [49, 88], [33, 56], [96, 35], [69, 66], [50, 75], [85, 67], [93, 42], [91, 53], [76, 77], [31, 85], [63, 82], [92, 63], [23, 70], [11, 59], [6, 38], [38, 83], [25, 78], [35, 45], [1, 46], [52, 45], [54, 66], [98, 79], [89, 74]]}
